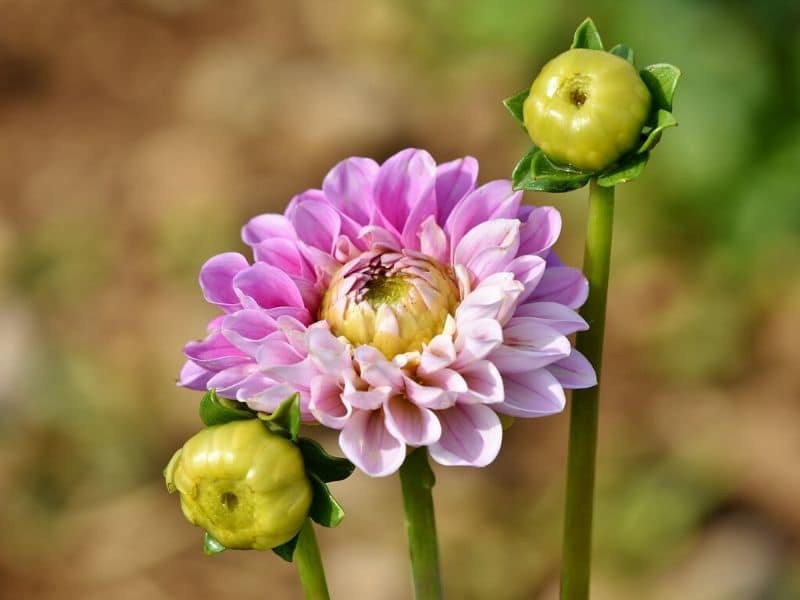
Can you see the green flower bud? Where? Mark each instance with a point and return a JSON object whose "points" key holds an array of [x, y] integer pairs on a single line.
{"points": [[244, 485], [586, 108]]}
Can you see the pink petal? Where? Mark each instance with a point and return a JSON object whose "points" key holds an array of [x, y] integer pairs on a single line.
{"points": [[380, 238], [528, 270], [414, 425], [269, 399], [491, 201], [267, 227], [405, 186], [540, 231], [454, 180], [437, 354], [283, 254], [368, 399], [215, 352], [564, 285], [476, 339], [263, 286], [535, 393], [488, 248], [428, 396], [471, 436], [246, 329], [484, 383], [348, 187], [433, 241], [275, 351], [317, 224], [370, 446], [528, 344], [216, 278], [228, 381], [376, 370], [555, 315], [326, 403], [327, 353], [194, 377], [574, 372]]}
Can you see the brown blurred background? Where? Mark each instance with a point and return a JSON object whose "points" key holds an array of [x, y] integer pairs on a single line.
{"points": [[136, 136]]}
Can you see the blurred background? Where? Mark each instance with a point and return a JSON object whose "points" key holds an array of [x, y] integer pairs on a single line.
{"points": [[137, 136]]}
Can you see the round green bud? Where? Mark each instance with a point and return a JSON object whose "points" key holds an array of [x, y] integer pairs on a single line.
{"points": [[244, 485], [586, 108]]}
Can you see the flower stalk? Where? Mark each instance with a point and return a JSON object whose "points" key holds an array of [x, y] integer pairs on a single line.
{"points": [[577, 545], [417, 481], [309, 564]]}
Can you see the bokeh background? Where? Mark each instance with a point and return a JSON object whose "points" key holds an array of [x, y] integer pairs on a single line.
{"points": [[136, 136]]}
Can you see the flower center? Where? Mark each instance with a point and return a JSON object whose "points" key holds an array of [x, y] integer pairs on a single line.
{"points": [[393, 301], [575, 89]]}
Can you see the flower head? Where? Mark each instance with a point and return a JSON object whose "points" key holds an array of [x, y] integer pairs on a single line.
{"points": [[405, 305]]}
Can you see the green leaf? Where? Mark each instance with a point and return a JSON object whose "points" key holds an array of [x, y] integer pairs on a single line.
{"points": [[286, 418], [535, 172], [323, 465], [623, 51], [216, 411], [587, 36], [661, 80], [663, 120], [286, 551], [325, 510], [514, 105], [627, 169], [211, 546]]}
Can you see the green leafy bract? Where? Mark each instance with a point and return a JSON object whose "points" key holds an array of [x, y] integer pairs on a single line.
{"points": [[325, 510], [587, 36], [535, 172], [627, 169], [216, 411], [663, 120], [285, 420], [514, 105], [623, 51], [286, 550], [211, 545], [661, 80], [323, 465]]}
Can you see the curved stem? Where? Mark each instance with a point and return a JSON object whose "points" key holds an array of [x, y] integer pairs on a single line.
{"points": [[309, 564], [577, 547], [417, 481]]}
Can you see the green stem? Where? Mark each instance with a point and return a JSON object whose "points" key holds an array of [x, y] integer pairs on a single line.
{"points": [[577, 548], [309, 564], [417, 480]]}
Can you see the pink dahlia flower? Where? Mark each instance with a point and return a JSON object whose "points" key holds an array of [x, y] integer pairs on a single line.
{"points": [[406, 306]]}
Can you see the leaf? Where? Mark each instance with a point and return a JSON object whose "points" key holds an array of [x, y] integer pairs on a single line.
{"points": [[286, 550], [623, 51], [323, 465], [661, 80], [627, 169], [216, 411], [664, 119], [535, 172], [325, 510], [286, 418], [211, 545], [515, 103], [587, 36]]}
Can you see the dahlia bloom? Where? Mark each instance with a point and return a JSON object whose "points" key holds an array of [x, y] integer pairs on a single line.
{"points": [[405, 305]]}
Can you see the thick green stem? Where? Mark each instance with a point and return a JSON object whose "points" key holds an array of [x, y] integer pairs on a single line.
{"points": [[309, 564], [417, 481], [577, 547]]}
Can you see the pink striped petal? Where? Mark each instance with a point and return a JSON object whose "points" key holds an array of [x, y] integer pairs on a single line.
{"points": [[246, 329], [317, 224], [428, 396], [405, 187], [228, 381], [267, 227], [264, 286], [574, 372], [437, 354], [348, 187], [433, 241], [194, 377], [491, 201], [476, 339], [326, 402], [216, 279], [484, 383], [215, 352], [564, 285], [559, 317], [368, 444], [488, 248], [528, 344], [528, 270], [376, 370], [535, 393], [471, 436], [540, 230], [327, 353], [412, 424], [454, 180], [268, 400]]}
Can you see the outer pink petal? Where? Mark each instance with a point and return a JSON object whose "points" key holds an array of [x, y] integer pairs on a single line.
{"points": [[428, 396], [327, 353], [264, 286], [528, 270], [194, 377], [534, 393], [574, 372], [270, 398], [555, 315], [540, 231], [215, 353], [266, 227], [471, 436], [484, 383], [488, 248], [283, 254], [216, 278], [246, 329], [348, 187], [437, 354], [369, 445], [376, 370], [317, 224], [405, 187], [475, 340], [433, 241], [564, 285], [493, 200], [454, 180], [228, 381], [528, 344], [414, 425]]}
